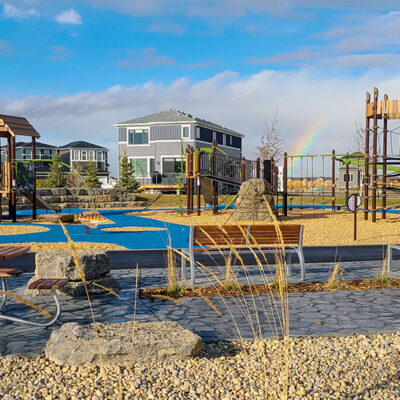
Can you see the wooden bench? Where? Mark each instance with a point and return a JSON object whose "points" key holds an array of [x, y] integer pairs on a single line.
{"points": [[212, 238], [390, 249], [45, 284]]}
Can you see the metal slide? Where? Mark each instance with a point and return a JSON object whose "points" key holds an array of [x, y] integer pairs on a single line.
{"points": [[41, 203]]}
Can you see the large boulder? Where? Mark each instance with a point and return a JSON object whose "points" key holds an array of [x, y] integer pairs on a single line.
{"points": [[251, 203], [121, 344], [60, 264]]}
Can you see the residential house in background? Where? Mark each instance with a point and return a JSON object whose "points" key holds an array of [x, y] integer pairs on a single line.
{"points": [[156, 143], [79, 153], [76, 154]]}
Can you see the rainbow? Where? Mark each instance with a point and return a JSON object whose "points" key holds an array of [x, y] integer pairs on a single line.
{"points": [[307, 139]]}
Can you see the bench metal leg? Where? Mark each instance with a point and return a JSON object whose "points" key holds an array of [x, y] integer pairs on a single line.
{"points": [[192, 270], [183, 267], [389, 258], [289, 264], [302, 265], [41, 324], [4, 296]]}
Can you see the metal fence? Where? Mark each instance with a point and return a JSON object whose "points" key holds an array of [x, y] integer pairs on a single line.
{"points": [[156, 178]]}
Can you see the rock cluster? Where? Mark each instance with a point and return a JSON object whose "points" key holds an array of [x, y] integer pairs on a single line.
{"points": [[349, 367], [121, 344], [60, 264], [251, 204], [80, 198]]}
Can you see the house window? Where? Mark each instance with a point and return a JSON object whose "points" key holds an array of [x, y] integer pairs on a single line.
{"points": [[350, 177], [185, 132], [138, 136], [172, 165], [152, 165], [219, 137], [84, 155], [197, 132], [140, 165], [99, 156], [92, 155], [76, 155]]}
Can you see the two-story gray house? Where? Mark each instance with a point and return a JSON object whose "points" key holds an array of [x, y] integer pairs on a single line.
{"points": [[156, 143]]}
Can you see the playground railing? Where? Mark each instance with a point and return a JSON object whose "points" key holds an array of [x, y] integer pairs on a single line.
{"points": [[157, 178]]}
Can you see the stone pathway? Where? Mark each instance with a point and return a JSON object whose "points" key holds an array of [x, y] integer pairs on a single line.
{"points": [[326, 313]]}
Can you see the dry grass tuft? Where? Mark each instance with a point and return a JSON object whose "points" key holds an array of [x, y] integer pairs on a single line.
{"points": [[333, 277]]}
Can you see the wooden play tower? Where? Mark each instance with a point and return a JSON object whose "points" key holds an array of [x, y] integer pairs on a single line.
{"points": [[10, 128]]}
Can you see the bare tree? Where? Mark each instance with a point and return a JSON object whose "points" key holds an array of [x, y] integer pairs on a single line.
{"points": [[358, 138], [271, 142]]}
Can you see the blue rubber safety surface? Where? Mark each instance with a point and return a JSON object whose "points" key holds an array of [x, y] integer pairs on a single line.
{"points": [[173, 235]]}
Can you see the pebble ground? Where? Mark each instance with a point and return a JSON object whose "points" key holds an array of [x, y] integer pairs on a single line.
{"points": [[348, 367]]}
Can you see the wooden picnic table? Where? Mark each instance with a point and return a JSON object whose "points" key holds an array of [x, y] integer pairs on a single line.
{"points": [[7, 252]]}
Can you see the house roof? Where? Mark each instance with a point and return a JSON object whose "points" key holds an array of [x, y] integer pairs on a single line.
{"points": [[81, 144], [38, 144], [176, 116], [17, 125]]}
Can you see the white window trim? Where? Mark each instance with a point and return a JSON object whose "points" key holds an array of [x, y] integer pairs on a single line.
{"points": [[185, 126], [137, 128], [169, 156], [148, 158]]}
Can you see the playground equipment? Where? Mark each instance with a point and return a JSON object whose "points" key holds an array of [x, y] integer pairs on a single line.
{"points": [[212, 171], [10, 127], [387, 110], [317, 181]]}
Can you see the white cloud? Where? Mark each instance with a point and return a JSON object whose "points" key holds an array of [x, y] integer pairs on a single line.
{"points": [[60, 54], [69, 17], [19, 13], [166, 27], [147, 58], [241, 103]]}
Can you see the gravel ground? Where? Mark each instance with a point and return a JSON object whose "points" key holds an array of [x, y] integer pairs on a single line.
{"points": [[21, 229], [321, 228], [351, 367], [64, 246]]}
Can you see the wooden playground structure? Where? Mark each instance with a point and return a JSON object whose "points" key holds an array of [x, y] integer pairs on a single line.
{"points": [[10, 128], [209, 170]]}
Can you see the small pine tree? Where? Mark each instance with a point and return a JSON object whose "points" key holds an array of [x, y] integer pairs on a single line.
{"points": [[127, 174], [56, 178], [91, 175]]}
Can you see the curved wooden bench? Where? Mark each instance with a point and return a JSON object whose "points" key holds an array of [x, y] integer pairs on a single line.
{"points": [[263, 237]]}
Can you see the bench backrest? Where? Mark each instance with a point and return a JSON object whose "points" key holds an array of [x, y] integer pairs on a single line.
{"points": [[247, 235]]}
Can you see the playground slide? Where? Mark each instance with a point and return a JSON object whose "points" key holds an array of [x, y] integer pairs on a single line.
{"points": [[207, 190], [41, 203]]}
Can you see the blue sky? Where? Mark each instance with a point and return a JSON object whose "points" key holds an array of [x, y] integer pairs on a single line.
{"points": [[75, 68]]}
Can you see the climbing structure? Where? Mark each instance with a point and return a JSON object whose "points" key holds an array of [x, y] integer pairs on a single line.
{"points": [[10, 128], [209, 170]]}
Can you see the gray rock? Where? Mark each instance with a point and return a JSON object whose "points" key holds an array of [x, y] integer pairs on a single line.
{"points": [[75, 344], [77, 289], [251, 204], [60, 264]]}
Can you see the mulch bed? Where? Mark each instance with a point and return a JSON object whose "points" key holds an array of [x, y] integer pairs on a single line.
{"points": [[243, 290]]}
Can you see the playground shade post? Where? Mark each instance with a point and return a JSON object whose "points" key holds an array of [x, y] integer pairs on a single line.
{"points": [[384, 159], [374, 154], [366, 160], [333, 181]]}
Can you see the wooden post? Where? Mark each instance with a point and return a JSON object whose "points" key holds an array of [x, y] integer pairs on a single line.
{"points": [[187, 180], [34, 178], [243, 169], [13, 202], [384, 158], [333, 181], [272, 174], [214, 172], [355, 219], [285, 165], [197, 158], [366, 160], [258, 163], [374, 154], [347, 180]]}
